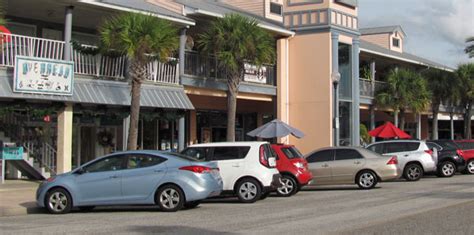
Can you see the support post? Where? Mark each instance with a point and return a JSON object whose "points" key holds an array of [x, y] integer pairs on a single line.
{"points": [[64, 141], [68, 33], [355, 94], [372, 76], [126, 128], [181, 134], [335, 70], [181, 121], [418, 126], [372, 120], [451, 125], [395, 118]]}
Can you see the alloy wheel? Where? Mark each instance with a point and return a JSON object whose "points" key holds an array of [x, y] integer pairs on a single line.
{"points": [[448, 169], [470, 167], [169, 198], [414, 172], [58, 202], [366, 179], [248, 190], [287, 188]]}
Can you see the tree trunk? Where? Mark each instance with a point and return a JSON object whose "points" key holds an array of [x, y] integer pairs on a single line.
{"points": [[467, 122], [435, 109], [233, 89], [402, 119], [138, 74]]}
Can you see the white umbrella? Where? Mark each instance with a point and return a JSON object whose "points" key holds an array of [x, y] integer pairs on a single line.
{"points": [[275, 128]]}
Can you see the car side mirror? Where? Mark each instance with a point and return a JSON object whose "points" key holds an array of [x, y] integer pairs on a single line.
{"points": [[272, 162], [80, 171]]}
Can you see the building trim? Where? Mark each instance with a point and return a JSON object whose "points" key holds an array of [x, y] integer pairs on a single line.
{"points": [[303, 3]]}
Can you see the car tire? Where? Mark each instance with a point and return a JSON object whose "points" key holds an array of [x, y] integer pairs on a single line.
{"points": [[58, 201], [413, 172], [366, 179], [469, 167], [248, 190], [170, 198], [446, 169], [86, 208], [289, 187], [191, 205]]}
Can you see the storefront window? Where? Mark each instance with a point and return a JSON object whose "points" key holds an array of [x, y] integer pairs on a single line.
{"points": [[212, 126], [345, 123], [345, 69]]}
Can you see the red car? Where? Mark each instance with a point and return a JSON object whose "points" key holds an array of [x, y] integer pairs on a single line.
{"points": [[293, 169], [467, 147]]}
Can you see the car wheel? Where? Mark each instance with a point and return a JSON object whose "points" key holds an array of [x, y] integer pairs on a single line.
{"points": [[191, 205], [248, 190], [289, 186], [366, 179], [170, 198], [446, 169], [413, 172], [469, 167], [86, 208], [58, 201]]}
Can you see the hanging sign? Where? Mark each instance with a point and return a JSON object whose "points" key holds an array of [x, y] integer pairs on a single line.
{"points": [[254, 73], [43, 76]]}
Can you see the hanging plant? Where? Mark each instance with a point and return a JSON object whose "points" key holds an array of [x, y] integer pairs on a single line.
{"points": [[93, 50], [105, 138]]}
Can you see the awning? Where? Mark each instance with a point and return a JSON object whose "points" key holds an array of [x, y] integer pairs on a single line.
{"points": [[101, 92]]}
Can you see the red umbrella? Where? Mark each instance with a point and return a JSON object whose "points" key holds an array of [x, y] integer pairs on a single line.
{"points": [[5, 34], [387, 131]]}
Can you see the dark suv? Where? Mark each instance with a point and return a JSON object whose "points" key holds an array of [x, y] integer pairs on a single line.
{"points": [[450, 157]]}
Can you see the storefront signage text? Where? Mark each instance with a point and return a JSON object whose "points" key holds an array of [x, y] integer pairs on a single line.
{"points": [[44, 76], [256, 74]]}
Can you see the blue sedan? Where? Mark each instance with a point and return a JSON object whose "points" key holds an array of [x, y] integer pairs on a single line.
{"points": [[169, 180]]}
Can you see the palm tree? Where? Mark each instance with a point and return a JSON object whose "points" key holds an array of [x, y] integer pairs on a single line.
{"points": [[141, 38], [465, 73], [406, 90], [470, 48], [235, 40], [441, 85]]}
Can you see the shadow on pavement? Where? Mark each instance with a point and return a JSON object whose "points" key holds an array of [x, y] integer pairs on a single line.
{"points": [[327, 188], [171, 230]]}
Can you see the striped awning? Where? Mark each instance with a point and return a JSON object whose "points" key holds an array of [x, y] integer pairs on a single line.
{"points": [[101, 92]]}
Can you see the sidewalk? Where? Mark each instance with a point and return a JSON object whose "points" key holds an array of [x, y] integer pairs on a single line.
{"points": [[17, 197]]}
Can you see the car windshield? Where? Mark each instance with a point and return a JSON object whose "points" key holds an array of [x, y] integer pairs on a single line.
{"points": [[292, 153]]}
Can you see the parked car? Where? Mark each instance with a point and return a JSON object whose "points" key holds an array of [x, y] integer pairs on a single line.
{"points": [[293, 169], [467, 148], [414, 156], [351, 165], [248, 169], [450, 157], [170, 180]]}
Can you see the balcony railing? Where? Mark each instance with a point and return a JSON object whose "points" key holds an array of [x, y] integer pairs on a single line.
{"points": [[101, 66], [207, 67], [369, 88]]}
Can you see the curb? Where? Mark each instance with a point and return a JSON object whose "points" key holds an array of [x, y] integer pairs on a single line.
{"points": [[14, 211]]}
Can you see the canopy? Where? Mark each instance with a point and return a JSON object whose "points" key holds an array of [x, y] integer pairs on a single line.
{"points": [[275, 128], [5, 37], [387, 131]]}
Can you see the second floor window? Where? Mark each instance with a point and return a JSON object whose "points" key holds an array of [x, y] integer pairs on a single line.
{"points": [[275, 8], [396, 42]]}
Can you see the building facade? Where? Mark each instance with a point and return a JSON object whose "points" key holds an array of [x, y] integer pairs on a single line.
{"points": [[323, 81]]}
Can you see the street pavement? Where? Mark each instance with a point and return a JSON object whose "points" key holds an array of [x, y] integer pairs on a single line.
{"points": [[430, 206]]}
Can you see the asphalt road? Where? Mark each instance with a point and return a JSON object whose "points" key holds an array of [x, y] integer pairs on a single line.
{"points": [[430, 206]]}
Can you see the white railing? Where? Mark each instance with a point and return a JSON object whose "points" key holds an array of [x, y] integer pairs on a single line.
{"points": [[101, 66]]}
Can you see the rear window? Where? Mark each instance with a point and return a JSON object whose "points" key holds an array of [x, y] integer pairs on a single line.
{"points": [[347, 154], [447, 145], [321, 156], [200, 154], [292, 153], [229, 153], [397, 147], [466, 145], [378, 148]]}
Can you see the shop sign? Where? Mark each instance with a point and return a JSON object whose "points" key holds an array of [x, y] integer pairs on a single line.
{"points": [[254, 73], [43, 76]]}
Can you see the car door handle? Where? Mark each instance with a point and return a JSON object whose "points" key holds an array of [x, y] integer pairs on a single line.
{"points": [[236, 165], [406, 155], [356, 162], [325, 165], [157, 171], [113, 176]]}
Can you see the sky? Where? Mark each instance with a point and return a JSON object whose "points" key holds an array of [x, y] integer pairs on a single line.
{"points": [[436, 29]]}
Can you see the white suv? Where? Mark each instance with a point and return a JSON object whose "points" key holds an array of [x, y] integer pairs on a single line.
{"points": [[247, 168], [414, 156]]}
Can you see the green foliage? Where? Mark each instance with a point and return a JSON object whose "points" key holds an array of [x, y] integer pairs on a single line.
{"points": [[406, 89], [442, 85], [235, 39], [470, 47], [465, 74], [140, 37], [364, 134]]}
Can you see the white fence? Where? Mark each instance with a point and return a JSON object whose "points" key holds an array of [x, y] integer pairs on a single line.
{"points": [[100, 66]]}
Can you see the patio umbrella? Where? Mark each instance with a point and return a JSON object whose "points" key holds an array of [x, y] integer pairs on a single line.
{"points": [[5, 37], [275, 128], [387, 131]]}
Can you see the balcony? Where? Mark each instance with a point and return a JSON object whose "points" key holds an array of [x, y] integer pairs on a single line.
{"points": [[99, 66], [369, 88], [207, 67]]}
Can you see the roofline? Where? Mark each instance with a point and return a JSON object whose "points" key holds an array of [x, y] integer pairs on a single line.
{"points": [[268, 27], [398, 27], [121, 8], [406, 60]]}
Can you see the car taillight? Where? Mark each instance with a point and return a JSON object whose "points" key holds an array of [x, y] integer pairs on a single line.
{"points": [[429, 151], [198, 169], [393, 161], [460, 153], [263, 160], [51, 179]]}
